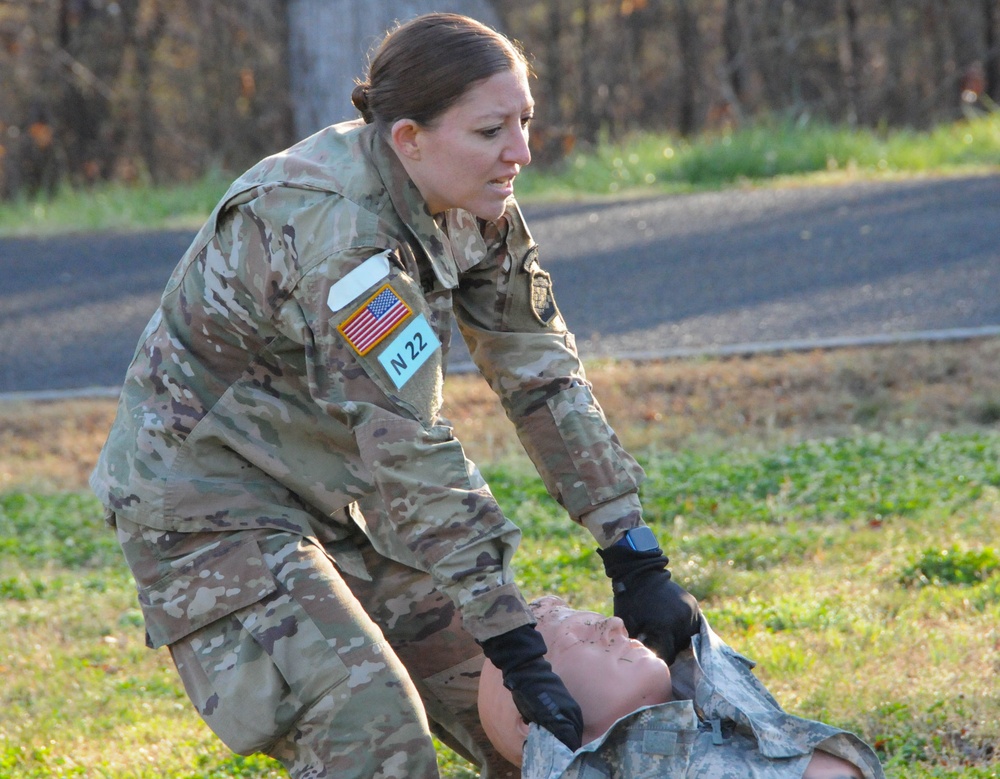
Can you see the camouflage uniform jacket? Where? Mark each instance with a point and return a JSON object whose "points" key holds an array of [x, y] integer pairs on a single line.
{"points": [[723, 725], [295, 365]]}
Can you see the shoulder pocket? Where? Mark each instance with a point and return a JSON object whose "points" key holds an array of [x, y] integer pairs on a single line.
{"points": [[530, 303], [389, 332]]}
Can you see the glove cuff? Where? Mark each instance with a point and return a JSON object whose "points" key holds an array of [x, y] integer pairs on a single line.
{"points": [[514, 648], [620, 562]]}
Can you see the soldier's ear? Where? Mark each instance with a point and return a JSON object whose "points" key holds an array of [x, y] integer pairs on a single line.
{"points": [[405, 135]]}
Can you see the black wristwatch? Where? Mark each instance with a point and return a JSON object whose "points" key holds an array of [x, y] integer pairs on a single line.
{"points": [[640, 539]]}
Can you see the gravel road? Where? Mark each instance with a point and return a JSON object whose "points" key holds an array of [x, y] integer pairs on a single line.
{"points": [[714, 272]]}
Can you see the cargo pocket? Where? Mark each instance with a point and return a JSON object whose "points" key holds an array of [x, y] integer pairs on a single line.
{"points": [[660, 742], [221, 579], [253, 673]]}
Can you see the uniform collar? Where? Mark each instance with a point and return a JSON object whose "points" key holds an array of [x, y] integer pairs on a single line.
{"points": [[412, 210], [453, 242]]}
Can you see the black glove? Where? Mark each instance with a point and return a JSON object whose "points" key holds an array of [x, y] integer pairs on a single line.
{"points": [[655, 610], [539, 694]]}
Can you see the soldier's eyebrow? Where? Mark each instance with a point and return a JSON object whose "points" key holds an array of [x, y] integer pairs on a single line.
{"points": [[501, 113]]}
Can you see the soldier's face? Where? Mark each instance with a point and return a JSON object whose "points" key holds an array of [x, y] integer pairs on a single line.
{"points": [[469, 156], [608, 673]]}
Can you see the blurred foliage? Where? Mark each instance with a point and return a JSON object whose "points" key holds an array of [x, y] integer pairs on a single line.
{"points": [[951, 566]]}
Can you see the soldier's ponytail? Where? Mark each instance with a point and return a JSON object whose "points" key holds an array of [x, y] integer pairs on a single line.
{"points": [[359, 97]]}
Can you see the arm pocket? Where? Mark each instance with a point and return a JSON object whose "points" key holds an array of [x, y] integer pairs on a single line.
{"points": [[531, 304], [592, 448], [390, 333]]}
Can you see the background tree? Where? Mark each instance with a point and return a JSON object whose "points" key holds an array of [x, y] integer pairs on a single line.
{"points": [[329, 42], [733, 71], [137, 89], [990, 11]]}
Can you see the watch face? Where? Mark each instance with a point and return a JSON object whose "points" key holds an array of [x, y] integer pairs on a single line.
{"points": [[641, 539]]}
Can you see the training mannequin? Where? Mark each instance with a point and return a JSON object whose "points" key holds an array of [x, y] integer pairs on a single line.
{"points": [[630, 699]]}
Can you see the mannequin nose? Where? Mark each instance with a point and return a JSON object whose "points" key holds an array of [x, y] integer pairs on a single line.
{"points": [[615, 628]]}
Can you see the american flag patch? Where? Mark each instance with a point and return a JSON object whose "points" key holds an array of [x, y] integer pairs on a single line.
{"points": [[378, 317]]}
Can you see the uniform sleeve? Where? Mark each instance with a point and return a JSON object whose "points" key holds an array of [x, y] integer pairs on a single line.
{"points": [[435, 510], [516, 335]]}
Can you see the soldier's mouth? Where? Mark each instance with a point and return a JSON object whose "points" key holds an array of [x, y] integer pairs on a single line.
{"points": [[505, 185]]}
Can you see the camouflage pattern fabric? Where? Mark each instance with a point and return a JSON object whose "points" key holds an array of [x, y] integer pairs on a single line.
{"points": [[331, 674], [723, 725], [251, 402]]}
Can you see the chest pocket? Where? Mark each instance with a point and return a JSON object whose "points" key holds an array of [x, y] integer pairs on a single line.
{"points": [[390, 332]]}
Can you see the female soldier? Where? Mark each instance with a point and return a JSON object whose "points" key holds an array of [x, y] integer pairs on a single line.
{"points": [[306, 534]]}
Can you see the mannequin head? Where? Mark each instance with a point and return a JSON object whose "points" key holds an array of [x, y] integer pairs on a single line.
{"points": [[609, 674]]}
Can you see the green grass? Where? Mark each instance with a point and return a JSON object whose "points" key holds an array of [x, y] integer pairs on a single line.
{"points": [[768, 151], [114, 207], [764, 152], [862, 573]]}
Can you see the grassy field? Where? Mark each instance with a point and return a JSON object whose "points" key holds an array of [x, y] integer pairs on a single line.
{"points": [[836, 512]]}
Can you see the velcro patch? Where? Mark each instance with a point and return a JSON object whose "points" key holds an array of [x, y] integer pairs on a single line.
{"points": [[377, 318], [659, 742], [411, 349], [348, 289]]}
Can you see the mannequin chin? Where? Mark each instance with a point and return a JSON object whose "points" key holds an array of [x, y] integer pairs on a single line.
{"points": [[504, 726]]}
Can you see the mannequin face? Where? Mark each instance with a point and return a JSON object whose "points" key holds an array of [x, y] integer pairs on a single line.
{"points": [[609, 674]]}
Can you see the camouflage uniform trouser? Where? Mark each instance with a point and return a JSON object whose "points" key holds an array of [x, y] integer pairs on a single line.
{"points": [[327, 673]]}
